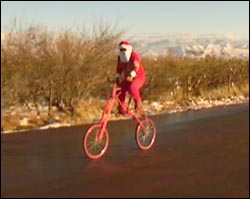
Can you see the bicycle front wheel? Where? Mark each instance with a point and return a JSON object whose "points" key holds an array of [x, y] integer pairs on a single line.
{"points": [[93, 146], [145, 134]]}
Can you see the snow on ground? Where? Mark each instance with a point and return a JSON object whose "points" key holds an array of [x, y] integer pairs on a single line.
{"points": [[152, 108]]}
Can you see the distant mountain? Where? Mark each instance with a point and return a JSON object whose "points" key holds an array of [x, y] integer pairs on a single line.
{"points": [[192, 46], [188, 45]]}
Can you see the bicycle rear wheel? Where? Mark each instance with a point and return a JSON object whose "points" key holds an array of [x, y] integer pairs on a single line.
{"points": [[145, 134], [93, 147]]}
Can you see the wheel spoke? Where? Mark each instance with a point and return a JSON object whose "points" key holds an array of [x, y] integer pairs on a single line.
{"points": [[146, 133], [92, 147]]}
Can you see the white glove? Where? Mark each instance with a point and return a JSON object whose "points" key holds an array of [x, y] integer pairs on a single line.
{"points": [[133, 73]]}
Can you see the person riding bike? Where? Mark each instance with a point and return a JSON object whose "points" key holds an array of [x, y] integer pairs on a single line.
{"points": [[130, 75]]}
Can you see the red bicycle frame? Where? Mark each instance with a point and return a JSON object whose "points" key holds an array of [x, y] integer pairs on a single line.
{"points": [[109, 106], [96, 139]]}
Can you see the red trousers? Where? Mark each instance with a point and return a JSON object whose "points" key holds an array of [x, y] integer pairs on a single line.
{"points": [[132, 88]]}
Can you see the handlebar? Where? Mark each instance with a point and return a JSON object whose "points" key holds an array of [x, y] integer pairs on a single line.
{"points": [[111, 80], [115, 88]]}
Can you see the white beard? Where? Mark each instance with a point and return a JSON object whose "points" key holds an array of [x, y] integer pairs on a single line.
{"points": [[125, 55]]}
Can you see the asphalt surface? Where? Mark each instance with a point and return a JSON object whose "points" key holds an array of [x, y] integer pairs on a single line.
{"points": [[201, 153]]}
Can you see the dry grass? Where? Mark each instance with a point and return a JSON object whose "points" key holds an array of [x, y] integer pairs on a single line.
{"points": [[89, 109], [225, 92]]}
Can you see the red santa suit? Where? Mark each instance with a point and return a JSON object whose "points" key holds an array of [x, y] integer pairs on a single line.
{"points": [[131, 70]]}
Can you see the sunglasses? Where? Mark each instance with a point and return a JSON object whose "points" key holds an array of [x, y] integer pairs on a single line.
{"points": [[123, 49]]}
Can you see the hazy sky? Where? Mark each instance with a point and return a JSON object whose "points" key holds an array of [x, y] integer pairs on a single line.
{"points": [[136, 17]]}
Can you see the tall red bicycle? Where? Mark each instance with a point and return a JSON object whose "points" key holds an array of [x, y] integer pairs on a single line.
{"points": [[96, 140]]}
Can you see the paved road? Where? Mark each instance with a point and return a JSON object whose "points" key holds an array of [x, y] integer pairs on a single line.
{"points": [[197, 154]]}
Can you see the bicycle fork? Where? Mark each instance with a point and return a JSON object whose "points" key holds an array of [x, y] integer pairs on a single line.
{"points": [[104, 120], [144, 125]]}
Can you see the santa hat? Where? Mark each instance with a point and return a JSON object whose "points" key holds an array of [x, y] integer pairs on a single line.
{"points": [[125, 44]]}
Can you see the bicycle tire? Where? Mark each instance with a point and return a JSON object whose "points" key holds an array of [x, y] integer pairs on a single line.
{"points": [[145, 137], [93, 148]]}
